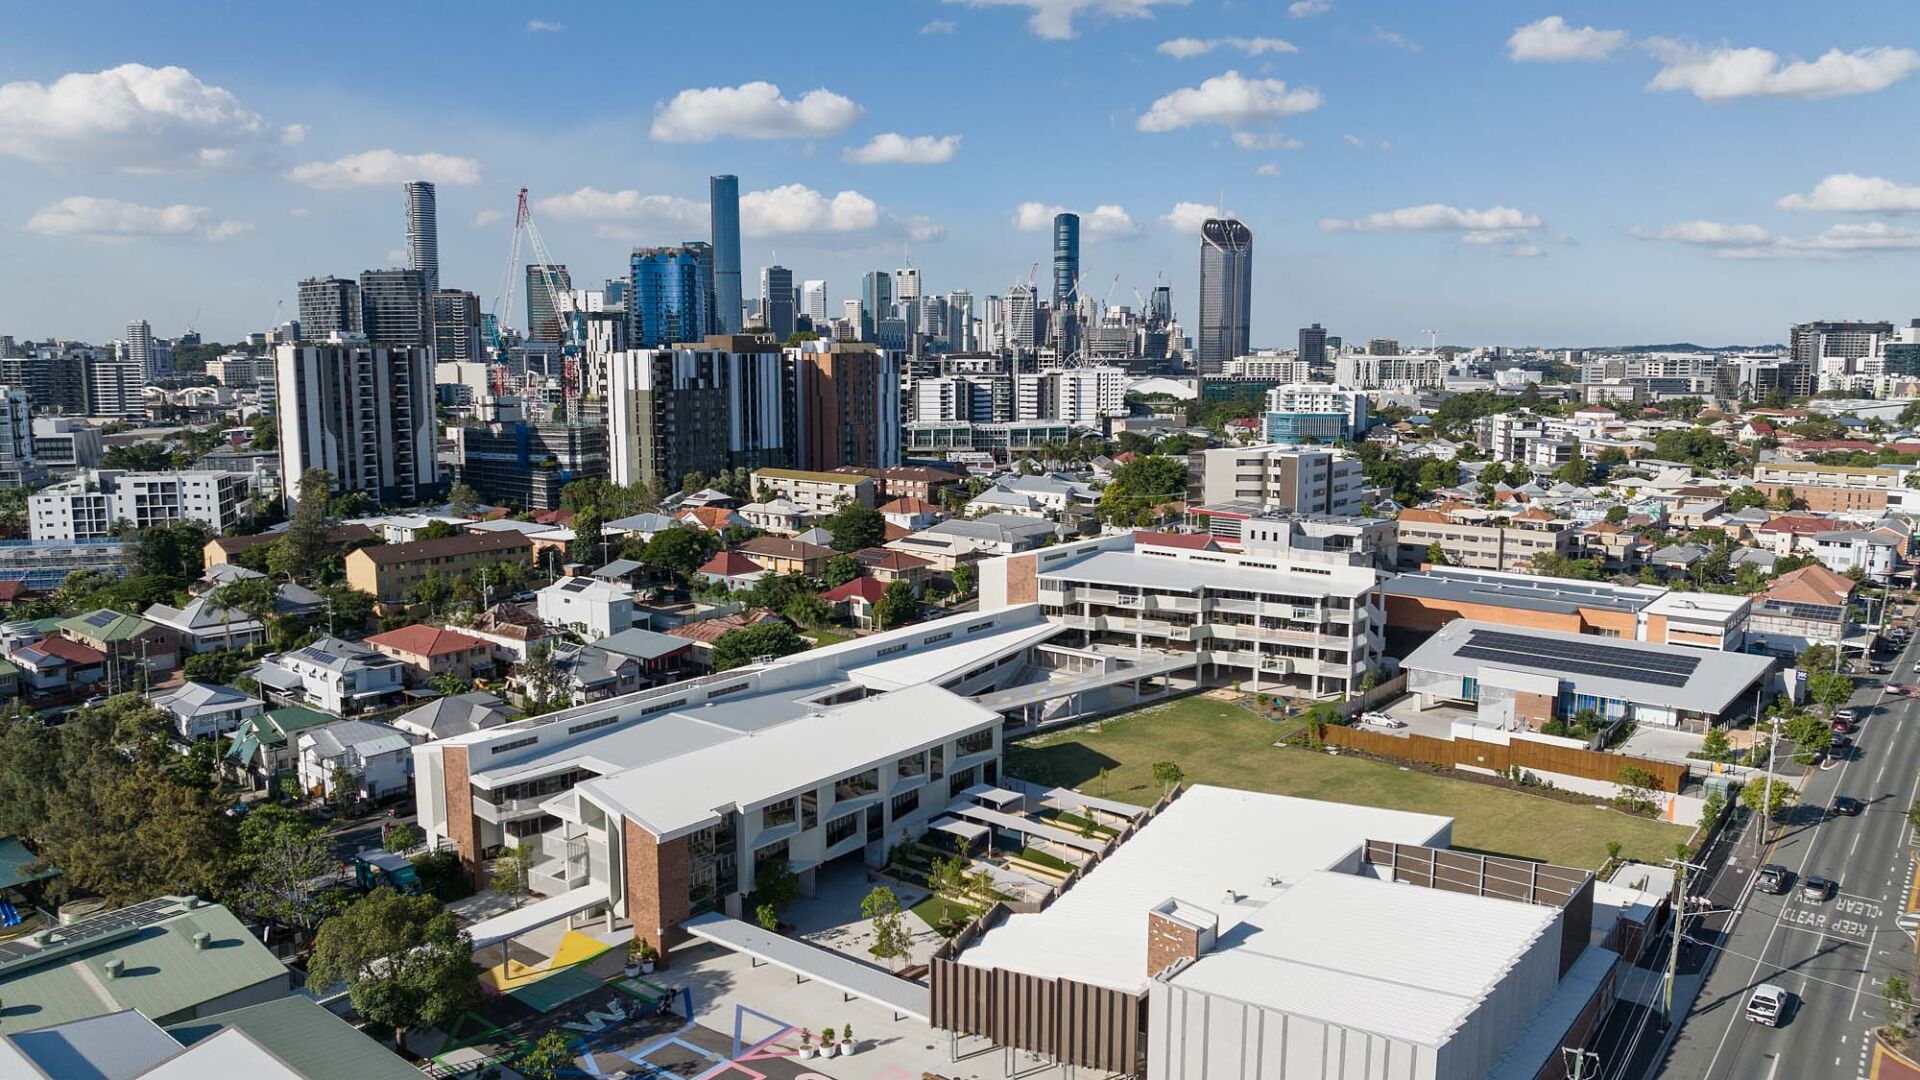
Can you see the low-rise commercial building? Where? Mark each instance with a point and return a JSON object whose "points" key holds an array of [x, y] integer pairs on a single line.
{"points": [[1425, 601]]}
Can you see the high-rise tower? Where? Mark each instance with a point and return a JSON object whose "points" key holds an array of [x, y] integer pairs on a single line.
{"points": [[776, 301], [1066, 258], [723, 201], [423, 233], [1226, 293]]}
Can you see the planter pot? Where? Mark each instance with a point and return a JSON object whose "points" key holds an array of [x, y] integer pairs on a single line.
{"points": [[846, 1049], [807, 1051], [646, 967], [632, 970]]}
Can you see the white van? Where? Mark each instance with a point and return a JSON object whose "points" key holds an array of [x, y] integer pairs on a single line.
{"points": [[1767, 1005]]}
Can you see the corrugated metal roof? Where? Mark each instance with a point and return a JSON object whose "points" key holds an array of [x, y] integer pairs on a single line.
{"points": [[306, 1036]]}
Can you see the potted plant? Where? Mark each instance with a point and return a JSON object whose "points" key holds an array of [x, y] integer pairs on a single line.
{"points": [[649, 956], [806, 1043], [633, 958], [828, 1047], [846, 1040]]}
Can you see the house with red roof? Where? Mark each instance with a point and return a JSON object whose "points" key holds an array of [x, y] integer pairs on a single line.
{"points": [[732, 569], [427, 652], [56, 663], [912, 514], [856, 599]]}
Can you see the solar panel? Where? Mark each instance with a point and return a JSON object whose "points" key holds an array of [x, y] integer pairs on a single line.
{"points": [[1580, 657], [97, 930], [100, 618]]}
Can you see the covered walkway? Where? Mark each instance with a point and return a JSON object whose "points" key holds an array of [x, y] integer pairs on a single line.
{"points": [[535, 915], [843, 973], [1028, 702], [1027, 827]]}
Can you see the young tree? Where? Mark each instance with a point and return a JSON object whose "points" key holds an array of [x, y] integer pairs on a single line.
{"points": [[1830, 690], [1715, 744], [963, 578], [545, 1058], [768, 917], [1168, 775], [343, 791], [1765, 798], [891, 939], [402, 837], [1636, 787], [897, 606], [1437, 555], [404, 961]]}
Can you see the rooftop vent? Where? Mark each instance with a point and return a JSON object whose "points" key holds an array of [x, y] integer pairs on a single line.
{"points": [[114, 967]]}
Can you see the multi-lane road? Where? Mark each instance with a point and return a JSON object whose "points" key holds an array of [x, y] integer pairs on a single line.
{"points": [[1833, 955]]}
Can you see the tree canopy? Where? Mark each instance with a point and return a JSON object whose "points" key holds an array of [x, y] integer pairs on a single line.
{"points": [[737, 647]]}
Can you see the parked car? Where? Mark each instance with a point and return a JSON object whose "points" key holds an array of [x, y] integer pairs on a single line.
{"points": [[1380, 719], [1774, 878], [1843, 723], [1876, 668], [1768, 1005], [1817, 888], [1848, 806]]}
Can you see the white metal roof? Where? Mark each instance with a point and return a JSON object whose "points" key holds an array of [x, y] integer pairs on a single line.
{"points": [[1160, 572], [672, 797], [537, 914], [1401, 960], [835, 969], [1209, 841]]}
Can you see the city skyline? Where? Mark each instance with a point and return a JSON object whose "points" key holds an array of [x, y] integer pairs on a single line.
{"points": [[1403, 169]]}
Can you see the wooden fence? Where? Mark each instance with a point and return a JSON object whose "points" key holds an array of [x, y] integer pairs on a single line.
{"points": [[1527, 754]]}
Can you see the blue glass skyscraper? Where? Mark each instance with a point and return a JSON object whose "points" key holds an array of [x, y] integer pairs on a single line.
{"points": [[1066, 258], [723, 208], [667, 295], [876, 302]]}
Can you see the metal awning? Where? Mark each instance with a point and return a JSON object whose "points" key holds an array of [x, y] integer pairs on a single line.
{"points": [[843, 973], [1027, 827], [964, 830], [998, 797], [535, 915]]}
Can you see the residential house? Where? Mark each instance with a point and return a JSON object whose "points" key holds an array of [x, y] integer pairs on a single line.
{"points": [[886, 565], [510, 629], [127, 640], [1675, 560], [376, 757], [912, 514], [263, 746], [640, 526], [455, 714], [340, 677], [732, 569], [662, 657], [588, 606], [782, 516], [1785, 534], [55, 664], [714, 519], [429, 652], [206, 710], [958, 540], [1873, 553], [706, 632], [391, 571], [855, 600], [781, 556], [205, 625], [1809, 606]]}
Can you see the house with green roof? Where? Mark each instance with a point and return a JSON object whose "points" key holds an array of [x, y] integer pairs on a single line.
{"points": [[173, 959], [264, 746], [126, 639]]}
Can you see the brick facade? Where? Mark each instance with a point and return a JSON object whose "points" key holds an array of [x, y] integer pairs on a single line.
{"points": [[656, 887], [462, 827], [1023, 579], [1169, 941]]}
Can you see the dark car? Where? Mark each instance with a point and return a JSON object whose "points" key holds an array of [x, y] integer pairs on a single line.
{"points": [[1774, 878], [1848, 806], [1817, 888], [1841, 748]]}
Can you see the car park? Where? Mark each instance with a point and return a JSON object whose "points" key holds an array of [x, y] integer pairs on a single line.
{"points": [[1768, 1005], [1848, 806], [1774, 879], [1817, 888]]}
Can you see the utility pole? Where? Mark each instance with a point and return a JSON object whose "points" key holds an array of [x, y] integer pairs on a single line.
{"points": [[1766, 802], [1680, 868]]}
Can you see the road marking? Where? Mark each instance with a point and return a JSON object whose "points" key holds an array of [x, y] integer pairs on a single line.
{"points": [[1862, 985]]}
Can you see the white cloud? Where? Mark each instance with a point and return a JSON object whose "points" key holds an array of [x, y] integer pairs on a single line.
{"points": [[1552, 41], [487, 217], [299, 212], [293, 134], [1705, 234], [131, 117], [1524, 251], [1491, 237], [1398, 41], [1250, 140], [1104, 222], [1185, 47], [542, 26], [796, 208], [893, 148], [1436, 217], [1301, 9], [1268, 169], [592, 204], [752, 110], [1874, 236], [1189, 216], [940, 26], [1725, 74], [112, 219], [374, 168], [922, 229], [1852, 193], [1355, 141], [1228, 99], [1053, 19]]}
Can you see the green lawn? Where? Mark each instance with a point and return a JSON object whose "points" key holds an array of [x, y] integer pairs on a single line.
{"points": [[1220, 743], [934, 908], [824, 636]]}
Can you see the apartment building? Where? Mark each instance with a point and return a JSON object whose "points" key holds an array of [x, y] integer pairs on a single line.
{"points": [[1352, 541], [1832, 489], [1506, 435], [1282, 477], [93, 505], [390, 571], [1313, 412], [722, 403], [1279, 623], [847, 404], [362, 412], [655, 806], [19, 464], [816, 494], [62, 444], [1356, 372], [1469, 538], [591, 607]]}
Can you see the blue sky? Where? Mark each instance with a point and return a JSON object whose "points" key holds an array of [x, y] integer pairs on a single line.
{"points": [[1506, 173]]}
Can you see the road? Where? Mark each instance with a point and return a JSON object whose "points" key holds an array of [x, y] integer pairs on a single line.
{"points": [[1833, 955]]}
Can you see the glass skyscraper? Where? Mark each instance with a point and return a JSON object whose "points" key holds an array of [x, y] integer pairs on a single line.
{"points": [[723, 200], [876, 301], [1226, 293], [667, 297], [423, 233], [1066, 257]]}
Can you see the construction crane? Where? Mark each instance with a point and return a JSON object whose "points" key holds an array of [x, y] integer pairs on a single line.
{"points": [[570, 345]]}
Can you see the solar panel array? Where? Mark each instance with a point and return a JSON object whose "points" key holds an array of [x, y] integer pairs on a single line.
{"points": [[100, 618], [97, 930], [1580, 657]]}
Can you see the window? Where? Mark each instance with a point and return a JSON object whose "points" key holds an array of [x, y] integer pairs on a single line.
{"points": [[960, 781], [514, 744], [809, 809], [890, 650], [936, 762], [904, 803], [779, 813], [858, 785], [842, 827], [911, 766], [933, 639], [978, 742]]}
